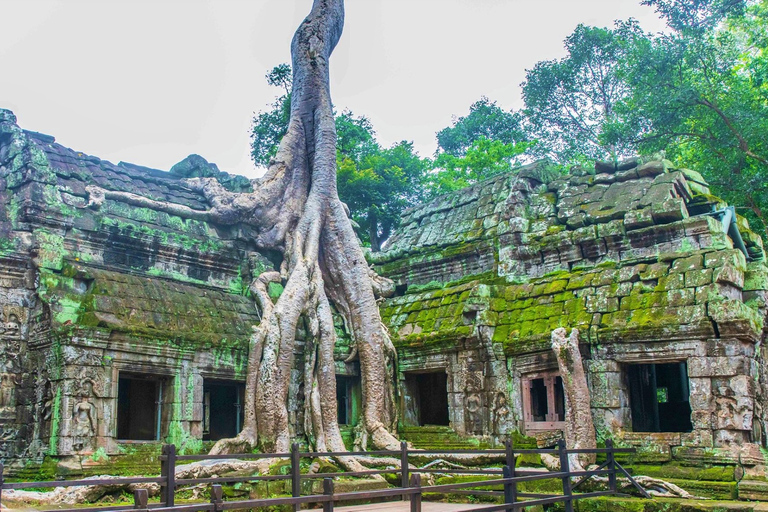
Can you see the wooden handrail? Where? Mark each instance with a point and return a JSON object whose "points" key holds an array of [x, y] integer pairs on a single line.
{"points": [[410, 483]]}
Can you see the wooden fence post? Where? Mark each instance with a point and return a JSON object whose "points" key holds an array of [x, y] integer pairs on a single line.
{"points": [[416, 498], [404, 478], [168, 472], [328, 491], [611, 466], [511, 464], [216, 496], [509, 453], [295, 473], [565, 467], [510, 489], [140, 499]]}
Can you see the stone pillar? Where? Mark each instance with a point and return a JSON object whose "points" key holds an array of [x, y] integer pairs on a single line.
{"points": [[608, 405], [730, 390]]}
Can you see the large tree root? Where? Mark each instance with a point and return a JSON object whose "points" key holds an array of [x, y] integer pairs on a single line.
{"points": [[579, 425], [295, 211], [653, 486], [73, 495], [659, 488]]}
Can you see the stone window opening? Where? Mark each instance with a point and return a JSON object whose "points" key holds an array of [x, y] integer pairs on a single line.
{"points": [[222, 409], [543, 401], [659, 397], [139, 407], [348, 399], [428, 394]]}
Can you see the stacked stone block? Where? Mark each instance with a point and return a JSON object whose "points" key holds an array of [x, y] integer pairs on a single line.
{"points": [[635, 255], [89, 294]]}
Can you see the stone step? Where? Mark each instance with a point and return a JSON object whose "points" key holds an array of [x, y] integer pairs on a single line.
{"points": [[612, 504], [756, 490], [437, 438]]}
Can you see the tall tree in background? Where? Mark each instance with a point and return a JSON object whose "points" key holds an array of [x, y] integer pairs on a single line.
{"points": [[376, 183], [486, 142], [486, 120], [700, 93], [483, 159], [571, 102]]}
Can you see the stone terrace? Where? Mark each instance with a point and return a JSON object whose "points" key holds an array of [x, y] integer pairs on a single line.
{"points": [[639, 256]]}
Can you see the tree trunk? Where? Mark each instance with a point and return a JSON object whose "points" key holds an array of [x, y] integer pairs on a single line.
{"points": [[295, 210], [323, 262], [373, 230], [579, 426]]}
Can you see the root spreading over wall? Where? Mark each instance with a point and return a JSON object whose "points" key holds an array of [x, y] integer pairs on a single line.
{"points": [[295, 211]]}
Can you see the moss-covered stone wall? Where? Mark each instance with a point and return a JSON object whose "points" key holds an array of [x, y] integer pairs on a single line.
{"points": [[638, 255], [89, 295]]}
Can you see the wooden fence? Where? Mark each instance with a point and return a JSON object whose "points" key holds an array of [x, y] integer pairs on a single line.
{"points": [[505, 480]]}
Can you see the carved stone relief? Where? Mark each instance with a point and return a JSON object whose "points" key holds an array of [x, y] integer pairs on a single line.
{"points": [[86, 410], [8, 384], [502, 421]]}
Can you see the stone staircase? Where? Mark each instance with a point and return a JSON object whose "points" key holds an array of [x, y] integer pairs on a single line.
{"points": [[439, 438]]}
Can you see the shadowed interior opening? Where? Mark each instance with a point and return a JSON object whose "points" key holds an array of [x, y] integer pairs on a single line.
{"points": [[138, 407], [659, 397], [429, 395], [222, 409]]}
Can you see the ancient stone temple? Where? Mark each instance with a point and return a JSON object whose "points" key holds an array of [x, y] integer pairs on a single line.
{"points": [[666, 284], [124, 326]]}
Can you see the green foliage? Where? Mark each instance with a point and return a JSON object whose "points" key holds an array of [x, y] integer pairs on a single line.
{"points": [[486, 142], [486, 120], [376, 183], [698, 91], [701, 95], [355, 136], [268, 129], [483, 159], [570, 102]]}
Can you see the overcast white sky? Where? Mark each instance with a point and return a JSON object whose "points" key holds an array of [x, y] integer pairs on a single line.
{"points": [[150, 82]]}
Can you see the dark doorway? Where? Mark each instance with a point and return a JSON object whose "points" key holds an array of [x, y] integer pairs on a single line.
{"points": [[430, 394], [659, 397], [222, 409], [539, 407], [559, 399], [138, 407], [348, 396]]}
